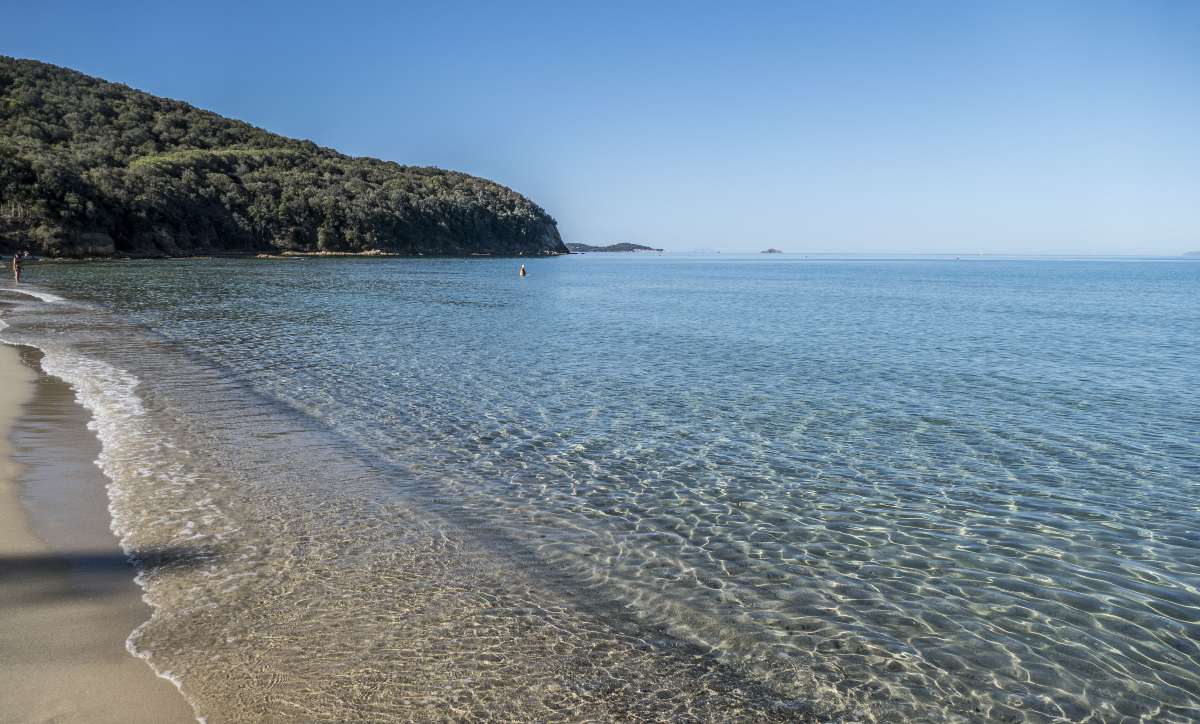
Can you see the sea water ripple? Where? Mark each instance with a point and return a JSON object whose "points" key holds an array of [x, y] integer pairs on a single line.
{"points": [[887, 489]]}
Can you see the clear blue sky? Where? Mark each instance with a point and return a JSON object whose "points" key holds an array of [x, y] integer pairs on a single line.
{"points": [[952, 126]]}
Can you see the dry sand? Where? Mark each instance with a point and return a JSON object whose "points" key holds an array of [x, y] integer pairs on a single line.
{"points": [[67, 596]]}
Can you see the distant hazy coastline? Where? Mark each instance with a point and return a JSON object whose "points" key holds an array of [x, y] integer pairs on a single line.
{"points": [[578, 248]]}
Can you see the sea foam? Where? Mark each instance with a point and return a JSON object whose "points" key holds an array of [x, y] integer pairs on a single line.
{"points": [[133, 457], [110, 395], [44, 296]]}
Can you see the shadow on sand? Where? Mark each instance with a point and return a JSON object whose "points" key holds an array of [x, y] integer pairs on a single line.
{"points": [[45, 577]]}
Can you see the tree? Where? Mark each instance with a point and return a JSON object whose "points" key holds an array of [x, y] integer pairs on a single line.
{"points": [[81, 156]]}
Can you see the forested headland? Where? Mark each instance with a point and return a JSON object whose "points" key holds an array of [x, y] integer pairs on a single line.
{"points": [[92, 168]]}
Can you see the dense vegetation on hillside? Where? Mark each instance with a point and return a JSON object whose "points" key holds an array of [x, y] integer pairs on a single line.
{"points": [[89, 167]]}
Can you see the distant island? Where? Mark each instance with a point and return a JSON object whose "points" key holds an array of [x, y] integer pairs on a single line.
{"points": [[772, 251], [1188, 253], [577, 248], [92, 168]]}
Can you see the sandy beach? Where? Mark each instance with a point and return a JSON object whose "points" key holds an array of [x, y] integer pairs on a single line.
{"points": [[67, 596]]}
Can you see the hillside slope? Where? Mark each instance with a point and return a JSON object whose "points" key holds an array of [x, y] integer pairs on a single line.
{"points": [[89, 167]]}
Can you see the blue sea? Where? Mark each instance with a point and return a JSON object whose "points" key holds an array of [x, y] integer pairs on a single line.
{"points": [[648, 487]]}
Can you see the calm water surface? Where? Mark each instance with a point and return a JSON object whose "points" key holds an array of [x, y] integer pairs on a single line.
{"points": [[649, 487]]}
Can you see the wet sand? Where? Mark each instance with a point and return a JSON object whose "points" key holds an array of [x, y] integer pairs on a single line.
{"points": [[67, 597]]}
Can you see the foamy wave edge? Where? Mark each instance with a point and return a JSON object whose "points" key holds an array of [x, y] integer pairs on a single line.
{"points": [[44, 296], [91, 395]]}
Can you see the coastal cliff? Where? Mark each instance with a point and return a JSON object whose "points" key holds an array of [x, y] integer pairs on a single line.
{"points": [[92, 168]]}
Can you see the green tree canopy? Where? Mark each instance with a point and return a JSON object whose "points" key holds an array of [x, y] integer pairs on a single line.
{"points": [[92, 167]]}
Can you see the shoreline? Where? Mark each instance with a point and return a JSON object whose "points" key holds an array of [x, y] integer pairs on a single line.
{"points": [[370, 254], [67, 591]]}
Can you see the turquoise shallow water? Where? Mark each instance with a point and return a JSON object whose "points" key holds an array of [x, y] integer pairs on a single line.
{"points": [[652, 486]]}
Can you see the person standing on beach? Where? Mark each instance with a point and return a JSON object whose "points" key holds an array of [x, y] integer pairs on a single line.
{"points": [[16, 263]]}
